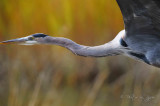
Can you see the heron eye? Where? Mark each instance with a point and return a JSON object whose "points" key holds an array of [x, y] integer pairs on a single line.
{"points": [[30, 38]]}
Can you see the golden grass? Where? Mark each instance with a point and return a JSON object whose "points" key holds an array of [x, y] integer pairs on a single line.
{"points": [[52, 76]]}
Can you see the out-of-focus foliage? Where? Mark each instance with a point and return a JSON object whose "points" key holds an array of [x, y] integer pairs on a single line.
{"points": [[45, 75]]}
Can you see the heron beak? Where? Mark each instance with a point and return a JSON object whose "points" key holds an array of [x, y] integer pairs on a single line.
{"points": [[15, 41]]}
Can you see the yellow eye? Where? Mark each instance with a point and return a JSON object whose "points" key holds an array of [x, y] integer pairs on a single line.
{"points": [[31, 38]]}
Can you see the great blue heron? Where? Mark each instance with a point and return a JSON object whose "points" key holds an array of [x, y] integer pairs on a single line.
{"points": [[140, 39]]}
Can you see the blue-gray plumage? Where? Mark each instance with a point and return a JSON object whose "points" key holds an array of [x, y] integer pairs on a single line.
{"points": [[139, 40]]}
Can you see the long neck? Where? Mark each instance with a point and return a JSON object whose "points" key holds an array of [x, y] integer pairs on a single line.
{"points": [[107, 49]]}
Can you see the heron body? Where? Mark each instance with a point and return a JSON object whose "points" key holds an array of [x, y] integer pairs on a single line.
{"points": [[139, 40]]}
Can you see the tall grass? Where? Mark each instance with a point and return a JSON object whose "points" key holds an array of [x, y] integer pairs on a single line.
{"points": [[52, 76]]}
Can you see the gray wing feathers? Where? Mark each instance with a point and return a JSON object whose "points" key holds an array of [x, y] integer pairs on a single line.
{"points": [[141, 16]]}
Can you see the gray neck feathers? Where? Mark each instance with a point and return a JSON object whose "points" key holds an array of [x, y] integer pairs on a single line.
{"points": [[107, 49]]}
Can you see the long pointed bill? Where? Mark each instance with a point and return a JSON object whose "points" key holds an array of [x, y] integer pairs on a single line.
{"points": [[15, 41]]}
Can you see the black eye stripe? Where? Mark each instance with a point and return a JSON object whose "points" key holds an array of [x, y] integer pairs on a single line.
{"points": [[39, 35]]}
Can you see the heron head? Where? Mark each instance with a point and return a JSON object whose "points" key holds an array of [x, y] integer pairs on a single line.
{"points": [[28, 40]]}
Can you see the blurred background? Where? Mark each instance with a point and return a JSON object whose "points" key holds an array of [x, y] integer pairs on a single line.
{"points": [[44, 75]]}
